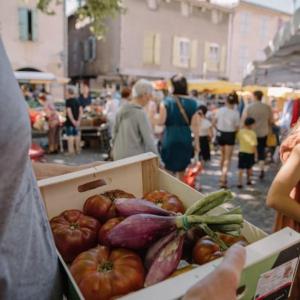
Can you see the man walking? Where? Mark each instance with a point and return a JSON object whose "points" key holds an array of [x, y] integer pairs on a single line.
{"points": [[262, 114]]}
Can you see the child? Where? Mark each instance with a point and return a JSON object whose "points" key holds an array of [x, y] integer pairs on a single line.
{"points": [[248, 142], [205, 134]]}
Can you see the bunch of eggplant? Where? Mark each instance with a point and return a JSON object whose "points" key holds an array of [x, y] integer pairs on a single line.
{"points": [[162, 232]]}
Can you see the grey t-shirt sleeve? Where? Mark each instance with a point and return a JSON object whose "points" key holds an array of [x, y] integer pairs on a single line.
{"points": [[28, 261], [146, 132]]}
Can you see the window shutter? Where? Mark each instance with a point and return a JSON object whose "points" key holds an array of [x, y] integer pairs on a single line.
{"points": [[86, 52], [206, 55], [194, 54], [23, 23], [148, 53], [223, 60], [176, 51], [93, 48], [157, 49], [34, 24]]}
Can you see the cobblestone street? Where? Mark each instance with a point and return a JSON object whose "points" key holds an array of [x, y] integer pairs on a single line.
{"points": [[251, 198]]}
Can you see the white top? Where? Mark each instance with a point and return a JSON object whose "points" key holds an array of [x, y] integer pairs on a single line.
{"points": [[228, 120], [204, 127]]}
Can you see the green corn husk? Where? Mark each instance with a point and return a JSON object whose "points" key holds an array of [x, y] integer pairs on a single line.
{"points": [[235, 210], [224, 219], [209, 202], [226, 228]]}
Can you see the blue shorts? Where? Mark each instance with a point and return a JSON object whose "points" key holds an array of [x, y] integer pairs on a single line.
{"points": [[71, 131]]}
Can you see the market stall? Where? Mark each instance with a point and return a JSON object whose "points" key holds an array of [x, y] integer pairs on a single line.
{"points": [[282, 65]]}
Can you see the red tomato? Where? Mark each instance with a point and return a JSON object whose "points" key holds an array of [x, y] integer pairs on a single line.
{"points": [[205, 251], [166, 201], [74, 233], [101, 274], [102, 206], [106, 228]]}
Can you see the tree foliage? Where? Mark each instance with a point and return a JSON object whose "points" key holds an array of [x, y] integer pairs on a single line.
{"points": [[96, 10]]}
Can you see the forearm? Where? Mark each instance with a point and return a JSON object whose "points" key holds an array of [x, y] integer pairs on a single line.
{"points": [[285, 205]]}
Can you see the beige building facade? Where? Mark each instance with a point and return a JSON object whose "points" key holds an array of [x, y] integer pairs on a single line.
{"points": [[154, 39], [251, 28], [35, 41]]}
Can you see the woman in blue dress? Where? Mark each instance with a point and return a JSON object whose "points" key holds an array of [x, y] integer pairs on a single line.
{"points": [[178, 114]]}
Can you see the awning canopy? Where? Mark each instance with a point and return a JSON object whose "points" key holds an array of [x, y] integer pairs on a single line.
{"points": [[282, 63], [39, 77]]}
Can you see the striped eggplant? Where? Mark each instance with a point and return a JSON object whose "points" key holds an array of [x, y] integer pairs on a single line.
{"points": [[166, 261], [129, 207]]}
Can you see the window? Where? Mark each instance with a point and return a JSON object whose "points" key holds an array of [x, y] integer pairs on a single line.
{"points": [[245, 20], [28, 28], [214, 53], [264, 22], [89, 49], [151, 53], [184, 52]]}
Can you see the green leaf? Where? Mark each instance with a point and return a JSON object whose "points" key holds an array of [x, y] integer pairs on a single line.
{"points": [[97, 10]]}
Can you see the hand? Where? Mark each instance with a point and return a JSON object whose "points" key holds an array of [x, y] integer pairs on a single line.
{"points": [[223, 282]]}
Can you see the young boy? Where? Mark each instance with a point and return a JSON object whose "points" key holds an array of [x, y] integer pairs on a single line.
{"points": [[248, 142]]}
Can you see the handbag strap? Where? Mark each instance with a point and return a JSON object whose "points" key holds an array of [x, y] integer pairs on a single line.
{"points": [[182, 111]]}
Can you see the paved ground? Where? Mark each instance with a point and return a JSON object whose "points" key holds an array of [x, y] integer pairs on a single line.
{"points": [[251, 199]]}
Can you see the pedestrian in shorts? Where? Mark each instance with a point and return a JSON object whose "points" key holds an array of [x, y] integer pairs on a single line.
{"points": [[247, 142]]}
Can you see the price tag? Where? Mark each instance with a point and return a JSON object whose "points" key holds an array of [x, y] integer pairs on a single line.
{"points": [[277, 283]]}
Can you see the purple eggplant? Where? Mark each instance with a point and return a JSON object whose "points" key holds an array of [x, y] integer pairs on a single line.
{"points": [[140, 231], [129, 207], [166, 261], [156, 248]]}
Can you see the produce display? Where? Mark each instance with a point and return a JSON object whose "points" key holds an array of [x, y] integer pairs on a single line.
{"points": [[142, 242]]}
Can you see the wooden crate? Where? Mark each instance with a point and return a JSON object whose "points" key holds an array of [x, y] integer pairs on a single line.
{"points": [[139, 175]]}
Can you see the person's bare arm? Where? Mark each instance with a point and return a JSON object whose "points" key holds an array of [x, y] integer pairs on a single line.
{"points": [[286, 179], [223, 282], [161, 117], [271, 118], [46, 170]]}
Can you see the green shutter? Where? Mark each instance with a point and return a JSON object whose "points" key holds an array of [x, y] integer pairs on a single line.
{"points": [[93, 49], [23, 23], [34, 24], [86, 50]]}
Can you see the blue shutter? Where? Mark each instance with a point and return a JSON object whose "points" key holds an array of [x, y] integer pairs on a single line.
{"points": [[93, 48], [86, 53], [23, 23], [34, 24]]}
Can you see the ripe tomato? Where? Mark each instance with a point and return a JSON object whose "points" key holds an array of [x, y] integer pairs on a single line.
{"points": [[166, 201], [106, 228], [101, 274], [74, 233], [205, 251], [102, 206]]}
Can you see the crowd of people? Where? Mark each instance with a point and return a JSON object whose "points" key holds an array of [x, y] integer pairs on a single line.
{"points": [[191, 129]]}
